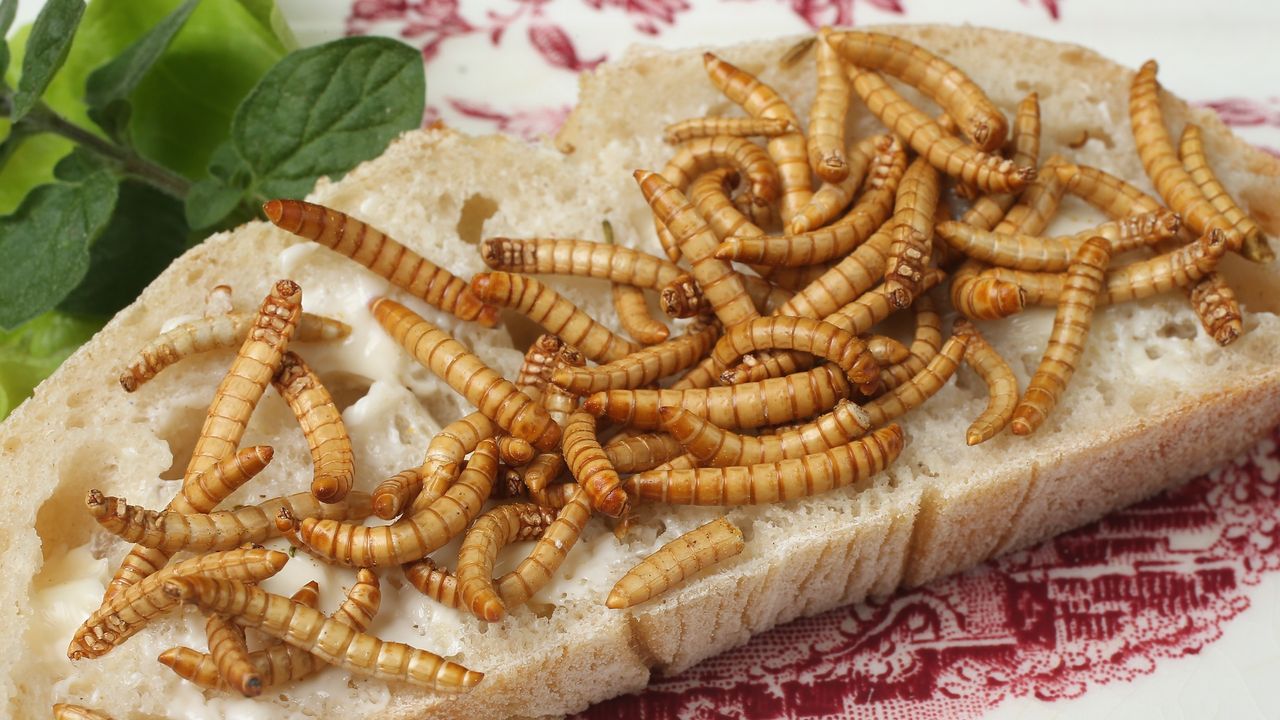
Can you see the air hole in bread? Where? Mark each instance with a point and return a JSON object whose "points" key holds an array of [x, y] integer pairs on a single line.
{"points": [[1073, 56], [76, 420], [12, 444], [1182, 328], [88, 465], [1154, 352], [346, 388], [180, 429], [475, 211]]}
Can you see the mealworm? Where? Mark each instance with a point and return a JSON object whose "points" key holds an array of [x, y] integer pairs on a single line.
{"points": [[535, 369], [772, 482], [924, 385], [1155, 149], [230, 655], [483, 387], [678, 560], [908, 262], [871, 164], [946, 84], [633, 315], [642, 367], [395, 493], [827, 114], [554, 312], [989, 173], [382, 254], [858, 272], [171, 532], [988, 210], [745, 405], [513, 450], [1066, 341], [1191, 152], [886, 350], [491, 532], [1215, 304], [308, 594], [642, 452], [715, 446], [806, 335], [580, 258], [1030, 252], [445, 453], [126, 612], [557, 496], [559, 404], [212, 333], [982, 297], [788, 151], [702, 127], [1002, 385], [331, 640], [591, 467], [218, 482], [331, 456], [926, 343], [413, 537], [684, 297], [719, 282], [68, 711]]}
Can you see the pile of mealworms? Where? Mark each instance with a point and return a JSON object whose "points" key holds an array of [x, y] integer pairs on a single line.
{"points": [[791, 341]]}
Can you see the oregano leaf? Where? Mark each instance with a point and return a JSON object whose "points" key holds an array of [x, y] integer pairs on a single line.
{"points": [[47, 49], [8, 10]]}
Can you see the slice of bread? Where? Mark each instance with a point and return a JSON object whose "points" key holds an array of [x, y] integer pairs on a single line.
{"points": [[1155, 401]]}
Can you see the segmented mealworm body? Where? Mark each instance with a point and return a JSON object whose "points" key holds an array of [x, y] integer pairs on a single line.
{"points": [[1002, 385], [876, 164], [126, 612], [926, 343], [1066, 342], [677, 561], [492, 394], [886, 350], [988, 210], [171, 531], [591, 467], [684, 297], [642, 452], [554, 312], [827, 114], [989, 173], [413, 537], [1215, 304], [559, 404], [912, 394], [218, 482], [445, 454], [535, 369], [745, 405], [68, 711], [331, 457], [750, 161], [858, 272], [382, 254], [1191, 152], [331, 640], [580, 258], [513, 450], [908, 262], [211, 333], [491, 532], [308, 594], [230, 655], [982, 297], [806, 335], [715, 446], [701, 127], [772, 482], [642, 367], [633, 315], [788, 151]]}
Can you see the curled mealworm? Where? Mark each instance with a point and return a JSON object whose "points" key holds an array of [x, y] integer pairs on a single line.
{"points": [[827, 114], [491, 532], [331, 640], [642, 367], [715, 446], [1191, 153], [171, 531], [788, 151], [513, 450], [989, 173], [493, 395], [331, 457], [554, 312], [211, 333], [535, 369], [925, 344], [871, 164], [745, 405], [230, 655], [633, 315], [591, 467], [642, 452], [984, 298], [69, 711], [814, 337], [445, 454], [131, 608], [702, 127], [1002, 385], [218, 482], [580, 258], [924, 385], [383, 255], [748, 159], [676, 561], [988, 210], [946, 84], [772, 482], [1066, 342]]}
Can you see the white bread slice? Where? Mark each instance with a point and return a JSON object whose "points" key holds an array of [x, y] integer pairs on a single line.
{"points": [[1156, 401]]}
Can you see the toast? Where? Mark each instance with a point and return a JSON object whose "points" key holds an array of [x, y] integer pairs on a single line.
{"points": [[1155, 401]]}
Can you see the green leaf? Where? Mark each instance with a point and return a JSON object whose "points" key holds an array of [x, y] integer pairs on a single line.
{"points": [[8, 10], [209, 202], [147, 231], [268, 14], [47, 49], [33, 350], [45, 244], [108, 89], [324, 109]]}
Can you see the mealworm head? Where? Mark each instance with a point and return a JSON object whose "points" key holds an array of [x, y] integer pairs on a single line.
{"points": [[128, 382], [274, 210], [95, 501], [327, 489], [286, 523]]}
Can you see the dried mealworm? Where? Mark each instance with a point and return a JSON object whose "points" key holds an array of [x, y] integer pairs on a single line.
{"points": [[580, 258], [642, 367], [383, 255], [989, 173], [827, 114], [212, 333], [230, 655], [924, 385], [745, 405], [814, 337], [171, 531], [513, 450], [1002, 385], [1066, 341], [1030, 252], [925, 344], [493, 395], [642, 452], [722, 285], [68, 711], [788, 151], [715, 446], [780, 481], [987, 211], [1191, 152], [491, 532], [412, 537], [331, 640], [702, 127], [535, 369], [126, 612], [554, 312], [331, 457], [833, 197], [591, 467], [677, 561]]}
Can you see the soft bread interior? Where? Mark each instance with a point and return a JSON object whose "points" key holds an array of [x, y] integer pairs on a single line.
{"points": [[1155, 401]]}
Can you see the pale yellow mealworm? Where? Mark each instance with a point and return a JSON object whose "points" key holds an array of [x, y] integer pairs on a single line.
{"points": [[701, 127], [678, 560]]}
